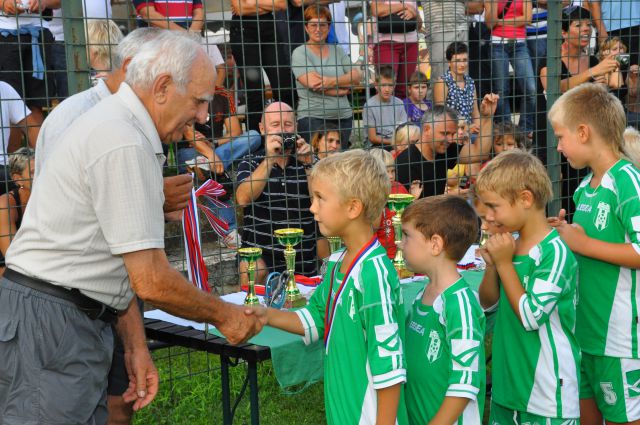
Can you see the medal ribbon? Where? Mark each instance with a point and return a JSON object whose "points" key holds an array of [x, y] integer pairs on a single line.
{"points": [[330, 308]]}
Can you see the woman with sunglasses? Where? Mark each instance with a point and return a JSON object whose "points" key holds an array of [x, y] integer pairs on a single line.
{"points": [[324, 77]]}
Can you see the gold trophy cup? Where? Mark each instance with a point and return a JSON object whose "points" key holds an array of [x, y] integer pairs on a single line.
{"points": [[289, 238], [334, 243], [251, 255], [397, 202]]}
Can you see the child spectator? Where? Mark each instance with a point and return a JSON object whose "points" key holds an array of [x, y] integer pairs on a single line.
{"points": [[386, 233], [326, 142], [532, 283], [612, 47], [383, 111], [445, 327], [631, 147], [506, 136], [456, 89], [406, 134], [358, 307], [589, 123], [417, 103]]}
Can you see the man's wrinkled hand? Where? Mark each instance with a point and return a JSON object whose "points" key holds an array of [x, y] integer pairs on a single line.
{"points": [[177, 191], [143, 378], [238, 326]]}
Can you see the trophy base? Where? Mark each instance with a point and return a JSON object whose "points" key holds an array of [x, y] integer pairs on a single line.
{"points": [[296, 302]]}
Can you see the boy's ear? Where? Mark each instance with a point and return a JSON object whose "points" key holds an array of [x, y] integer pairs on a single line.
{"points": [[526, 198], [437, 245], [355, 208], [583, 131]]}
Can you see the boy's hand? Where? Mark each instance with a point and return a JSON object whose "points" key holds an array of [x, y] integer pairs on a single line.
{"points": [[501, 247], [486, 256], [259, 311], [573, 235], [416, 188], [489, 104], [559, 220]]}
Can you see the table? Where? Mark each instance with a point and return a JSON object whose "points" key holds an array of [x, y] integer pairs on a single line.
{"points": [[293, 362]]}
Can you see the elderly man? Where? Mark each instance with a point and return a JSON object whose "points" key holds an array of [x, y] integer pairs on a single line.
{"points": [[92, 236], [274, 192], [427, 161]]}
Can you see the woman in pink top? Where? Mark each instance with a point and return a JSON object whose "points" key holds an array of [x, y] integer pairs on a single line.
{"points": [[507, 20], [398, 49]]}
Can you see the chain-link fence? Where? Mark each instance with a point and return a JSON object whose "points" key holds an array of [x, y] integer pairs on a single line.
{"points": [[349, 74]]}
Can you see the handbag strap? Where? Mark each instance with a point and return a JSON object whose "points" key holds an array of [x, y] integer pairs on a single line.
{"points": [[504, 9]]}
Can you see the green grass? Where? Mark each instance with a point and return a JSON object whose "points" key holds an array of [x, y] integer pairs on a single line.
{"points": [[190, 393]]}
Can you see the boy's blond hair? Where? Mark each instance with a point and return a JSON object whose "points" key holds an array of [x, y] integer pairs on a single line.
{"points": [[511, 172], [103, 35], [382, 155], [357, 174], [593, 105]]}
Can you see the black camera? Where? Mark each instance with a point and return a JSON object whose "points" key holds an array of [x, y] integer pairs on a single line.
{"points": [[289, 141], [623, 60]]}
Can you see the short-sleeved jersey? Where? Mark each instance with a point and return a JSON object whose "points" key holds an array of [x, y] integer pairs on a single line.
{"points": [[536, 356], [608, 297], [364, 350], [444, 346]]}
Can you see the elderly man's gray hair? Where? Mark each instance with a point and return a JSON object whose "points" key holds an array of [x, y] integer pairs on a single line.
{"points": [[169, 53], [438, 113], [19, 160], [129, 46]]}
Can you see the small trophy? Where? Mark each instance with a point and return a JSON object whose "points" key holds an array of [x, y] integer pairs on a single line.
{"points": [[289, 238], [335, 243], [397, 202], [251, 255]]}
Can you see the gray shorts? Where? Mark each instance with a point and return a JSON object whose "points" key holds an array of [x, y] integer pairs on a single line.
{"points": [[55, 360]]}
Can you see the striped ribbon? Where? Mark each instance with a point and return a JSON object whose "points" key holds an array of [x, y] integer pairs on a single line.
{"points": [[197, 269]]}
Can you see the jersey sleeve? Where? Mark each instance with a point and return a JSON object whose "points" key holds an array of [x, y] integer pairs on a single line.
{"points": [[378, 311], [628, 203], [465, 334], [313, 314], [551, 279]]}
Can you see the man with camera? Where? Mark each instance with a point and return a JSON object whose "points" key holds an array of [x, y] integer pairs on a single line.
{"points": [[273, 189]]}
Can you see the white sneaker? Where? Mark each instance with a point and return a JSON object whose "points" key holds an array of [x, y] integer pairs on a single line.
{"points": [[232, 240]]}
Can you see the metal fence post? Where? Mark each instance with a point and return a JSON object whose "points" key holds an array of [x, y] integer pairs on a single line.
{"points": [[554, 41], [76, 46]]}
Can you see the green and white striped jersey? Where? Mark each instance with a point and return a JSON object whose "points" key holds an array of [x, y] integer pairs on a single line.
{"points": [[444, 348], [536, 357], [365, 346], [608, 298]]}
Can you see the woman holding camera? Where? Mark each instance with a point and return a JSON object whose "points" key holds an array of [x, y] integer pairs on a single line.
{"points": [[577, 66], [324, 77]]}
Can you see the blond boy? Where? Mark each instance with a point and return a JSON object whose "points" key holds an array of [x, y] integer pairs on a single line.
{"points": [[357, 310], [532, 283]]}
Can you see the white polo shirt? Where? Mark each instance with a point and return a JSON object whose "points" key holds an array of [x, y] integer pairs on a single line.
{"points": [[99, 196], [63, 116]]}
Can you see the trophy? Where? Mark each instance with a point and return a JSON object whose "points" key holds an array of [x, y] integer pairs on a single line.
{"points": [[334, 243], [251, 255], [397, 202], [289, 238]]}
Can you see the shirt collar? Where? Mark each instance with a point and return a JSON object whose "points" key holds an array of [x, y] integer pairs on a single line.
{"points": [[140, 114]]}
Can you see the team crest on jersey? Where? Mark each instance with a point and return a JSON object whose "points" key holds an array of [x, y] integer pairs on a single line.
{"points": [[602, 216], [433, 350], [633, 382]]}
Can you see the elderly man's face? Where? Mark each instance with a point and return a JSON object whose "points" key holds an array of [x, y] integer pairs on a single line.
{"points": [[278, 121], [183, 108]]}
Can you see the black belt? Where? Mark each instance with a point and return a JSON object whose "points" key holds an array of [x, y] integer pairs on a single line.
{"points": [[92, 308]]}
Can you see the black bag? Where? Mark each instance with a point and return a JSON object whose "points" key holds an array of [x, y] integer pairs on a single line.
{"points": [[393, 23]]}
